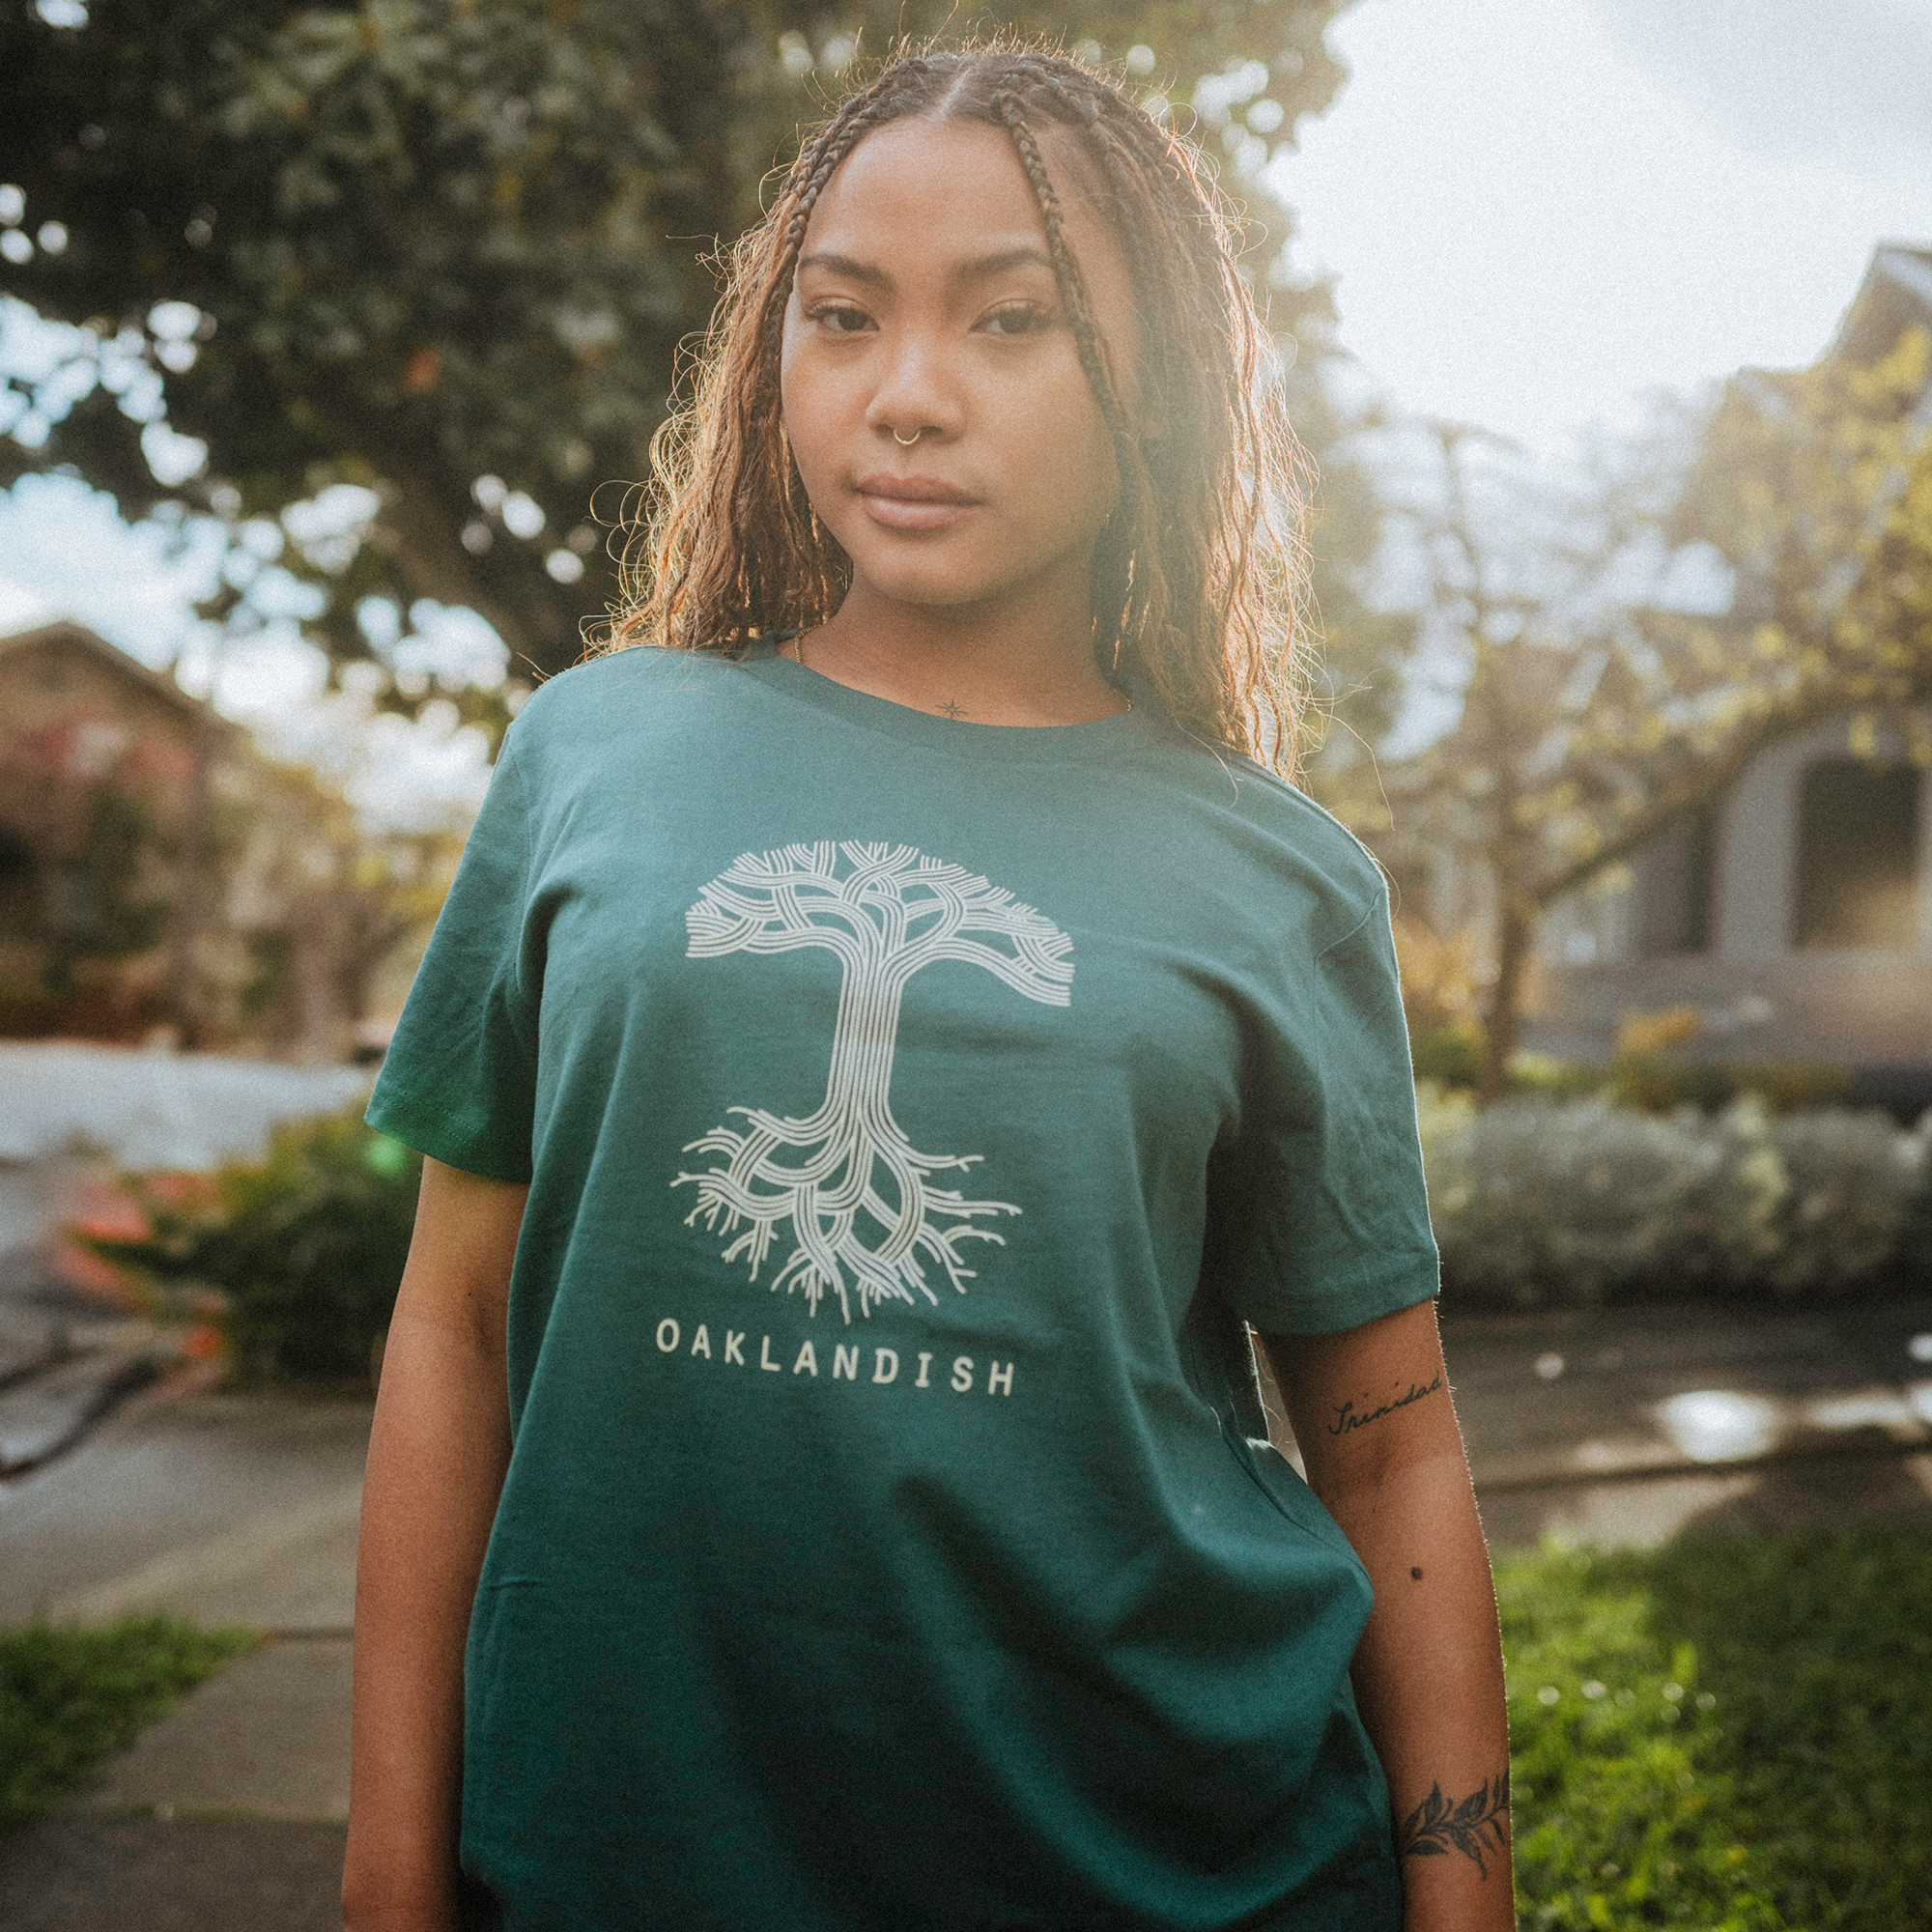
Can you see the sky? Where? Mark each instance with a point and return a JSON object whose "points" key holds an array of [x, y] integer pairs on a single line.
{"points": [[1538, 212]]}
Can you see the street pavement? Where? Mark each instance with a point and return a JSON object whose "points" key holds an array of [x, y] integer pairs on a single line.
{"points": [[1624, 1426]]}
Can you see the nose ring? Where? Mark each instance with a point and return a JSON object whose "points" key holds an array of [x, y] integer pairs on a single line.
{"points": [[907, 441]]}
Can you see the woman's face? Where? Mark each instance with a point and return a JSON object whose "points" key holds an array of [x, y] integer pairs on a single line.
{"points": [[932, 391]]}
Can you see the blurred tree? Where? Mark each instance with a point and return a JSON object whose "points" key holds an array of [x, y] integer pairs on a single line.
{"points": [[1815, 487], [1367, 646], [1598, 705], [1513, 613], [446, 253]]}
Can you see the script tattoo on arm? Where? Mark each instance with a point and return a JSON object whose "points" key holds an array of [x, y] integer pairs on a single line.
{"points": [[1477, 1826], [1346, 1419]]}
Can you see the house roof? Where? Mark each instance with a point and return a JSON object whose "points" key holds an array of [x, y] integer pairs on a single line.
{"points": [[64, 633], [1896, 293]]}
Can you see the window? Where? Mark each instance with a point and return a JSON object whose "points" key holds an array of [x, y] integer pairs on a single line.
{"points": [[19, 887], [1857, 856], [1675, 882]]}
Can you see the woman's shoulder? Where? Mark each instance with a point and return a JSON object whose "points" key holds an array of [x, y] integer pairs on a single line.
{"points": [[588, 689], [619, 698], [1297, 835]]}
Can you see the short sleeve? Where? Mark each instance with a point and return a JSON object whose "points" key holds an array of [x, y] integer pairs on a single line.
{"points": [[459, 1081], [1327, 1221]]}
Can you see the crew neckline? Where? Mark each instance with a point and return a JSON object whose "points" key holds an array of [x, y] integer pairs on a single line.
{"points": [[1122, 734]]}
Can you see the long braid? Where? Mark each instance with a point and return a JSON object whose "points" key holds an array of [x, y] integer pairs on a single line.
{"points": [[1138, 152], [814, 168], [1119, 620], [897, 92], [1134, 595], [1067, 272]]}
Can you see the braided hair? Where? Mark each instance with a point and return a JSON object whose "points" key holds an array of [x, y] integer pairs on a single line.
{"points": [[1199, 575]]}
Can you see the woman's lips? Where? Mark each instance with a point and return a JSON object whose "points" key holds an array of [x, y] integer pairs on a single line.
{"points": [[913, 502]]}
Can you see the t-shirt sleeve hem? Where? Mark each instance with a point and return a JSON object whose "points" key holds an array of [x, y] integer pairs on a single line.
{"points": [[445, 1140], [1387, 1292]]}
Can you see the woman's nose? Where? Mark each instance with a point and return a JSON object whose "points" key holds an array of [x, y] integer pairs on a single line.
{"points": [[916, 392]]}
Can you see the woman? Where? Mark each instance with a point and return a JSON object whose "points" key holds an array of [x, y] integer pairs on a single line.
{"points": [[889, 1036]]}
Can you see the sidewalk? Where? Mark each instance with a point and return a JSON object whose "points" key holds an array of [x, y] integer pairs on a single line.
{"points": [[1635, 1425], [1627, 1426], [227, 1815]]}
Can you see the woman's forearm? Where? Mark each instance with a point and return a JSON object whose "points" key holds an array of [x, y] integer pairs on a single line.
{"points": [[438, 1452], [1429, 1683], [1372, 1414]]}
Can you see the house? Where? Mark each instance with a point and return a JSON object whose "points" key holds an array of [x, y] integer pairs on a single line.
{"points": [[160, 877], [1792, 918], [100, 773]]}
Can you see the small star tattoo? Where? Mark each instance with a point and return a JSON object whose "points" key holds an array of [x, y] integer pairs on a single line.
{"points": [[951, 710]]}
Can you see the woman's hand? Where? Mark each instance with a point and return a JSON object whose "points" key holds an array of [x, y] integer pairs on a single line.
{"points": [[1371, 1416], [436, 1457]]}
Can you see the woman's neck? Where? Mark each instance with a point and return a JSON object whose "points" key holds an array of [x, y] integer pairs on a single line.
{"points": [[1029, 666]]}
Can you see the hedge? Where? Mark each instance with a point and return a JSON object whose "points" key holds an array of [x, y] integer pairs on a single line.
{"points": [[1542, 1199]]}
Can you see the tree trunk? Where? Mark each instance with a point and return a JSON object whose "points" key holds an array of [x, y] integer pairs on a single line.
{"points": [[1516, 936]]}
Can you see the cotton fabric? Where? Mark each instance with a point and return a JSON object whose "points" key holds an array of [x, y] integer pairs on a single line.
{"points": [[913, 1111]]}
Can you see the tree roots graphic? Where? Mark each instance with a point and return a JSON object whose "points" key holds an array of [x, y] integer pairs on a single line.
{"points": [[865, 1219]]}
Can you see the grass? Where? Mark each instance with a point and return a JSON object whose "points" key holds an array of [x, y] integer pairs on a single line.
{"points": [[70, 1695], [1730, 1734]]}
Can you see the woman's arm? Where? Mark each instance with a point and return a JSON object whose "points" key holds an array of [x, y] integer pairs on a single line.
{"points": [[437, 1456], [1371, 1412]]}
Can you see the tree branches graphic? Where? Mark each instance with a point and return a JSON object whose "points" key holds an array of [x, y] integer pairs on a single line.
{"points": [[855, 1194]]}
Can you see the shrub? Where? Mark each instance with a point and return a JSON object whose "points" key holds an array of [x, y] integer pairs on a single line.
{"points": [[304, 1249], [1852, 1181], [1653, 1085], [1576, 1200], [1451, 1053]]}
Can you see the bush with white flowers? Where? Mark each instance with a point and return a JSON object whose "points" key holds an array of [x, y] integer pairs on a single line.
{"points": [[1537, 1199]]}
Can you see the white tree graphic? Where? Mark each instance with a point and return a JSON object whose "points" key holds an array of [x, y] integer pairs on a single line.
{"points": [[854, 1191]]}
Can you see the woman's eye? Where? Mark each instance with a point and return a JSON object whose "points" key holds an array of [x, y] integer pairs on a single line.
{"points": [[1023, 319], [841, 320]]}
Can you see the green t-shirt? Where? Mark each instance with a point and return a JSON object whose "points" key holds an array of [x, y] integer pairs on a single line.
{"points": [[912, 1111]]}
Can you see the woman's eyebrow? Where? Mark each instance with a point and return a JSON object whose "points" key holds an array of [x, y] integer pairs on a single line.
{"points": [[842, 265], [1001, 260], [1026, 255]]}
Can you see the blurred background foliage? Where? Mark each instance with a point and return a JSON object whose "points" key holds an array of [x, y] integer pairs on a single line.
{"points": [[296, 1259], [1570, 1197], [424, 266], [71, 1694], [1561, 1195], [1597, 702]]}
